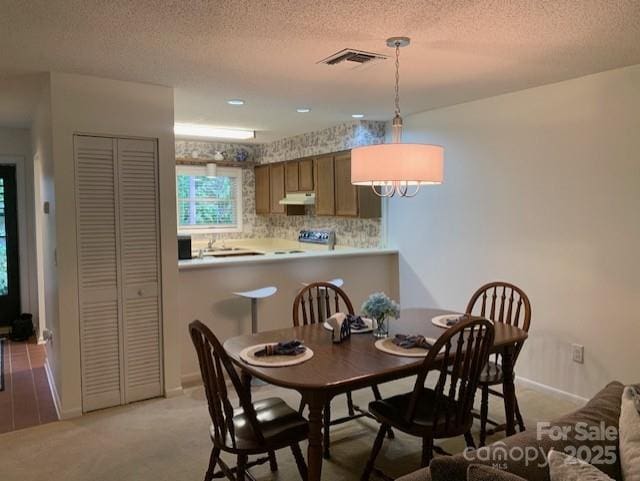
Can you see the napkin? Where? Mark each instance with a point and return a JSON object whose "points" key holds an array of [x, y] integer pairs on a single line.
{"points": [[452, 321], [356, 323], [340, 325], [283, 348], [408, 342]]}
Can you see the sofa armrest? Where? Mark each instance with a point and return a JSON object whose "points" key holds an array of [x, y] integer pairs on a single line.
{"points": [[422, 474]]}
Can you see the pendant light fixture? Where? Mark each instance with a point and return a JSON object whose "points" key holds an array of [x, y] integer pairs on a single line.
{"points": [[397, 168]]}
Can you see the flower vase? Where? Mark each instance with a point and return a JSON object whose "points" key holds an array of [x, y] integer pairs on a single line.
{"points": [[382, 328]]}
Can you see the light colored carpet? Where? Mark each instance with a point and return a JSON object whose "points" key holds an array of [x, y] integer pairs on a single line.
{"points": [[167, 440]]}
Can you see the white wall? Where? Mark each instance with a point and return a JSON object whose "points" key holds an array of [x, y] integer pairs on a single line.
{"points": [[15, 149], [81, 104], [542, 188]]}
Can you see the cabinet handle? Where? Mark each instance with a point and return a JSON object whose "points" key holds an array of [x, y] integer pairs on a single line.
{"points": [[140, 292]]}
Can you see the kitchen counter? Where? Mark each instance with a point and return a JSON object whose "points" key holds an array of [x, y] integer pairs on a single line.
{"points": [[261, 251]]}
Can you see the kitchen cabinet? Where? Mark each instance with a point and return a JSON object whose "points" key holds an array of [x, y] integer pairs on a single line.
{"points": [[263, 199], [352, 200], [291, 176], [305, 175], [277, 191], [346, 192], [325, 185]]}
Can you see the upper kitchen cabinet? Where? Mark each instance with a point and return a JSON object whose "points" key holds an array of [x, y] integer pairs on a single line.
{"points": [[305, 175], [276, 181], [352, 200], [263, 199], [325, 185], [292, 176]]}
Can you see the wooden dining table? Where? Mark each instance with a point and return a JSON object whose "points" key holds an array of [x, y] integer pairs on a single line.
{"points": [[356, 363]]}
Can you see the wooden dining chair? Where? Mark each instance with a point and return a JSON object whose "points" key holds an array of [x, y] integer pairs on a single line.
{"points": [[254, 428], [507, 303], [444, 411], [314, 303]]}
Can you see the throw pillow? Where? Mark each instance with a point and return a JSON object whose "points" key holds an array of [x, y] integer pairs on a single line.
{"points": [[563, 467], [478, 472], [630, 435]]}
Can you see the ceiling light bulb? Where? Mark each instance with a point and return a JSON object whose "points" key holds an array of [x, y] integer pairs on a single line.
{"points": [[208, 131], [235, 102], [303, 110], [357, 116]]}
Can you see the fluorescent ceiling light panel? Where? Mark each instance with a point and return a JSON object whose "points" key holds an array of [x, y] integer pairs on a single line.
{"points": [[235, 102], [357, 116], [207, 131], [303, 110]]}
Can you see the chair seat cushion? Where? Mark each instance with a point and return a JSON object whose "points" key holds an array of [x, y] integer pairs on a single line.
{"points": [[279, 423], [393, 411]]}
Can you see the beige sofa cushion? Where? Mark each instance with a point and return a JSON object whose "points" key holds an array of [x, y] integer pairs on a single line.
{"points": [[563, 467], [478, 472], [630, 436]]}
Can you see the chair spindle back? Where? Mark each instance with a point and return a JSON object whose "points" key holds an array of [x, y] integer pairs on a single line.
{"points": [[215, 367], [318, 301]]}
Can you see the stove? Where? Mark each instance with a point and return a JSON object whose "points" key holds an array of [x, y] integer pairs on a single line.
{"points": [[318, 236]]}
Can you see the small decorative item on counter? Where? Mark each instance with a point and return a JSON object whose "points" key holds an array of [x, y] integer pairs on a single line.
{"points": [[241, 155], [218, 155], [341, 326], [380, 307]]}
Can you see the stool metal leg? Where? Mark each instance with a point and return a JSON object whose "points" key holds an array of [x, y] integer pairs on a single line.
{"points": [[254, 315]]}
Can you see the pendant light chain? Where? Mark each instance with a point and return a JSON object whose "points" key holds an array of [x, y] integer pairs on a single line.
{"points": [[397, 78]]}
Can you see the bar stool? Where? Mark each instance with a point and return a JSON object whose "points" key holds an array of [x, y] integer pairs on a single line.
{"points": [[336, 282], [254, 295]]}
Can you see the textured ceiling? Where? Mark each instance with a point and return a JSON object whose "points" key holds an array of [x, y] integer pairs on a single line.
{"points": [[266, 52]]}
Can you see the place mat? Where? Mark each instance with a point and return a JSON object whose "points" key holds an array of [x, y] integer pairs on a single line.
{"points": [[441, 321], [387, 346], [248, 356], [2, 341], [367, 321]]}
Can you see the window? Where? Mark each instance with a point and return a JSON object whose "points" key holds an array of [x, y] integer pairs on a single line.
{"points": [[209, 204]]}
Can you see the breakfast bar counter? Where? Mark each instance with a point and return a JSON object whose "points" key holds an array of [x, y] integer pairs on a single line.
{"points": [[206, 285]]}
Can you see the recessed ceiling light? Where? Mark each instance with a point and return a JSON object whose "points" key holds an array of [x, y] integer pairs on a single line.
{"points": [[235, 102], [357, 116], [208, 131], [303, 110]]}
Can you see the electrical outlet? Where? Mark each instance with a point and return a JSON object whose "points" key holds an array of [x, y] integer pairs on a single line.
{"points": [[577, 353]]}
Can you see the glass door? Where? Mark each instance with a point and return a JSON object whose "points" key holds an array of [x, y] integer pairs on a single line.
{"points": [[9, 257]]}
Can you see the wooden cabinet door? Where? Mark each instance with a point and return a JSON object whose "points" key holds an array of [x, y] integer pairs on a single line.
{"points": [[324, 180], [263, 199], [346, 192], [305, 175], [291, 176], [276, 180]]}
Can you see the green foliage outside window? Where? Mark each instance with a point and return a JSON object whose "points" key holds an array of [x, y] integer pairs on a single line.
{"points": [[206, 201]]}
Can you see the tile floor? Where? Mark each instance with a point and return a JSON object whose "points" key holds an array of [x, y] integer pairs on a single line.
{"points": [[26, 400]]}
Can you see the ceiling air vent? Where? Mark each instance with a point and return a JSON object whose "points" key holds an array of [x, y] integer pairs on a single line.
{"points": [[356, 57]]}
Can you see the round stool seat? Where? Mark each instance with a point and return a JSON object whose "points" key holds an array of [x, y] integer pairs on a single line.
{"points": [[336, 282], [258, 293]]}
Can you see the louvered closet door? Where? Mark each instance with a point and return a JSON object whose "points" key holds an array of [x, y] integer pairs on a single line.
{"points": [[98, 272], [140, 255]]}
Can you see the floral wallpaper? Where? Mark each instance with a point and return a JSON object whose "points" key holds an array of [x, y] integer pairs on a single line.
{"points": [[349, 231]]}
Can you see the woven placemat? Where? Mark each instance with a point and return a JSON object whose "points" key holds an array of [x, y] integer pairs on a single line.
{"points": [[248, 356], [387, 346]]}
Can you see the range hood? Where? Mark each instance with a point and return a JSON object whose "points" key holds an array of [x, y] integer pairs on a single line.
{"points": [[299, 198]]}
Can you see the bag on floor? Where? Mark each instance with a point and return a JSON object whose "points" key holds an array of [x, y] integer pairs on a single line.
{"points": [[22, 328]]}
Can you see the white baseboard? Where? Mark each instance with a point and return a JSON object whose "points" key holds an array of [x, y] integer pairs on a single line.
{"points": [[191, 378], [71, 413], [551, 391], [173, 392]]}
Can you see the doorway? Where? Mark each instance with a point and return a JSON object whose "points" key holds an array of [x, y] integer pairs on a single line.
{"points": [[9, 250]]}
